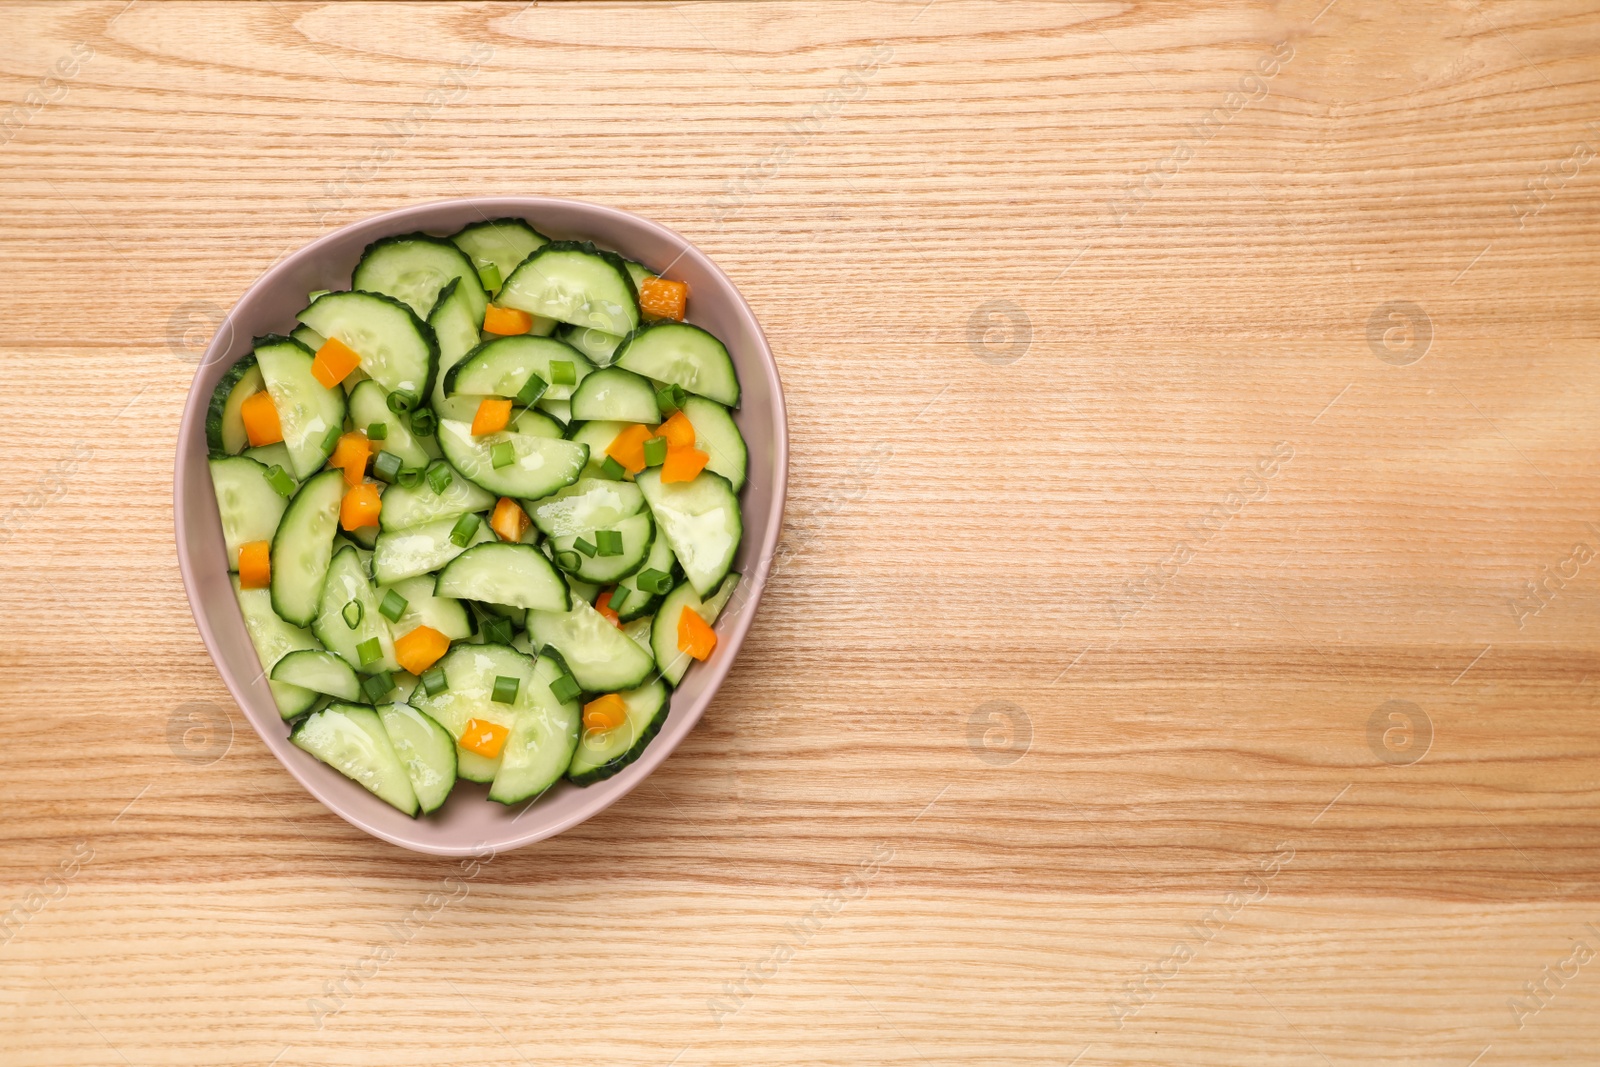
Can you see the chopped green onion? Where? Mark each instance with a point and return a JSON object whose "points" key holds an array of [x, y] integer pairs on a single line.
{"points": [[393, 606], [612, 469], [378, 431], [670, 398], [563, 372], [386, 468], [280, 480], [434, 681], [568, 561], [619, 597], [462, 532], [352, 614], [655, 452], [423, 424], [402, 401], [490, 277], [565, 688], [502, 454], [315, 294], [377, 686], [608, 543], [369, 651], [330, 440], [653, 581], [411, 477], [583, 546], [531, 391], [505, 689], [497, 630], [439, 477]]}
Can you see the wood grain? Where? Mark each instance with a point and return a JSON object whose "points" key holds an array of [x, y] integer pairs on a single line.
{"points": [[1034, 696]]}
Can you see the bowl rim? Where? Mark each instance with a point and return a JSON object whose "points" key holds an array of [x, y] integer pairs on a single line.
{"points": [[754, 579]]}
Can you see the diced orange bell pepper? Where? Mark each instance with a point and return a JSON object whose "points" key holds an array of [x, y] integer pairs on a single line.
{"points": [[352, 453], [694, 636], [335, 360], [678, 430], [260, 417], [683, 464], [360, 507], [602, 604], [661, 298], [509, 521], [255, 565], [605, 713], [420, 649], [484, 737], [506, 321], [627, 448], [494, 415]]}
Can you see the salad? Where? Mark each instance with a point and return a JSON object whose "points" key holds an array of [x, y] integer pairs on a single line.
{"points": [[481, 511]]}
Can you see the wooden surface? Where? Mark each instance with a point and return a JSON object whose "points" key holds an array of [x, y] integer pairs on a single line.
{"points": [[1095, 760]]}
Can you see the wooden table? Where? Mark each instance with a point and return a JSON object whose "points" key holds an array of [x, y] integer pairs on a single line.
{"points": [[1183, 399]]}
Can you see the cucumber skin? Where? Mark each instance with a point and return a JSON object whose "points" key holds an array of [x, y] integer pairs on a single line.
{"points": [[622, 762], [219, 401]]}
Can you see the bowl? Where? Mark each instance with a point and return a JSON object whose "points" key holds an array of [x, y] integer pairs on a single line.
{"points": [[469, 823]]}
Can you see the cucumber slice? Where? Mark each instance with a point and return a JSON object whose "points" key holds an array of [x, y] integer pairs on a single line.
{"points": [[364, 554], [369, 404], [423, 608], [273, 639], [638, 631], [320, 671], [500, 243], [274, 455], [587, 505], [627, 599], [539, 466], [535, 423], [601, 658], [701, 521], [414, 267], [602, 753], [310, 413], [681, 354], [470, 671], [351, 739], [425, 749], [397, 349], [573, 281], [457, 333], [542, 742], [408, 506], [638, 533], [501, 367], [517, 576], [638, 272], [246, 502], [303, 547], [347, 581], [560, 410], [670, 660], [598, 345], [617, 395], [716, 435], [224, 425], [598, 435], [401, 554], [580, 589], [312, 340]]}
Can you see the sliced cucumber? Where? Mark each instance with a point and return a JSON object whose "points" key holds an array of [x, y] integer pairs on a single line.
{"points": [[600, 656], [273, 639], [303, 547], [470, 671], [311, 339], [369, 404], [401, 554], [273, 455], [517, 576], [363, 553], [681, 354], [457, 333], [598, 435], [542, 741], [560, 410], [602, 753], [310, 413], [627, 599], [425, 749], [637, 532], [414, 267], [398, 350], [224, 425], [587, 505], [246, 502], [535, 423], [320, 671], [701, 521], [423, 608], [351, 739], [638, 272], [347, 583], [539, 465], [638, 631], [574, 282], [408, 506], [716, 435], [670, 660], [499, 243], [501, 367], [580, 589], [618, 395], [598, 345]]}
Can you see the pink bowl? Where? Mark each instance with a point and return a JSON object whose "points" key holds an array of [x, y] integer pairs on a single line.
{"points": [[469, 823]]}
